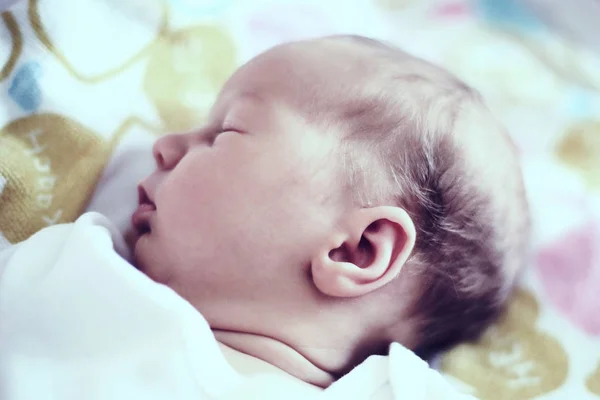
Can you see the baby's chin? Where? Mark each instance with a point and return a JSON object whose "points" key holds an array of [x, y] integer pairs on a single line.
{"points": [[132, 238], [146, 263]]}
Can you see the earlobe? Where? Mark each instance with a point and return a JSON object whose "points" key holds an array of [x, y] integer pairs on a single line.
{"points": [[370, 252]]}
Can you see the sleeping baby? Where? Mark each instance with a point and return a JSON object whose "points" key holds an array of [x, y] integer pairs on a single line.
{"points": [[343, 196]]}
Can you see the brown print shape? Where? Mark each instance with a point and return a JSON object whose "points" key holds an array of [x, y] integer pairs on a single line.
{"points": [[580, 148], [38, 27], [512, 360], [593, 382], [185, 73], [52, 164], [17, 44]]}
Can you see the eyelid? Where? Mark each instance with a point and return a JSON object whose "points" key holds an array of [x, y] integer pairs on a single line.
{"points": [[230, 128], [227, 128], [231, 124], [223, 129]]}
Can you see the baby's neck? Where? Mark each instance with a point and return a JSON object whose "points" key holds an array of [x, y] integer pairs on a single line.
{"points": [[252, 354]]}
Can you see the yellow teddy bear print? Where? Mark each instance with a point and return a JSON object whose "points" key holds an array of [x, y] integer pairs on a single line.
{"points": [[513, 359], [185, 72], [49, 165], [593, 382], [10, 24], [580, 149]]}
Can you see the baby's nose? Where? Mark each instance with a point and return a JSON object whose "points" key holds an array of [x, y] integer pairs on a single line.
{"points": [[169, 150]]}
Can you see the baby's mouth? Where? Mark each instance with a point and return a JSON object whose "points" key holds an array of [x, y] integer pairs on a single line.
{"points": [[141, 217]]}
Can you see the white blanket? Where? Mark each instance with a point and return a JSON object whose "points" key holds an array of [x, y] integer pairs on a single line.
{"points": [[78, 321]]}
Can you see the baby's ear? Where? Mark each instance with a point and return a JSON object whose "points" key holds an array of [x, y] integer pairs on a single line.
{"points": [[367, 253]]}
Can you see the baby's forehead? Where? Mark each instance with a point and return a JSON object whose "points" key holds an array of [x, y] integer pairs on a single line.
{"points": [[310, 75], [349, 84]]}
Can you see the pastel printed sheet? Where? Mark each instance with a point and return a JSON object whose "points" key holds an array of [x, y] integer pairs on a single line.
{"points": [[80, 80]]}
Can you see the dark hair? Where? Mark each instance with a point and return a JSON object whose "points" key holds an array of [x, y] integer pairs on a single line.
{"points": [[405, 147], [458, 253]]}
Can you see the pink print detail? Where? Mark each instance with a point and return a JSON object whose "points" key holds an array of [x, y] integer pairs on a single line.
{"points": [[452, 10], [569, 270]]}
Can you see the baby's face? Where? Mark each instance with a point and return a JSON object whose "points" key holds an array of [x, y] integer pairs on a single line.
{"points": [[236, 208]]}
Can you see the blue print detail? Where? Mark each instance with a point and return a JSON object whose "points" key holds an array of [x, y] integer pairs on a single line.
{"points": [[579, 103], [24, 88], [509, 14]]}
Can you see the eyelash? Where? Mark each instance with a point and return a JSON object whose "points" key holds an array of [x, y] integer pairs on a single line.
{"points": [[229, 128], [229, 124], [221, 130]]}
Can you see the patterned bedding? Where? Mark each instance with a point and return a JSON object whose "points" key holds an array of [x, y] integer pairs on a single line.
{"points": [[76, 84]]}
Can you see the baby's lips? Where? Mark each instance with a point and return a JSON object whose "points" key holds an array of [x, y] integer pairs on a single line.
{"points": [[140, 219]]}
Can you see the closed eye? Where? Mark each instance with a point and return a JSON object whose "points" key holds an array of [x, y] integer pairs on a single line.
{"points": [[231, 123], [230, 128], [225, 130], [235, 130]]}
